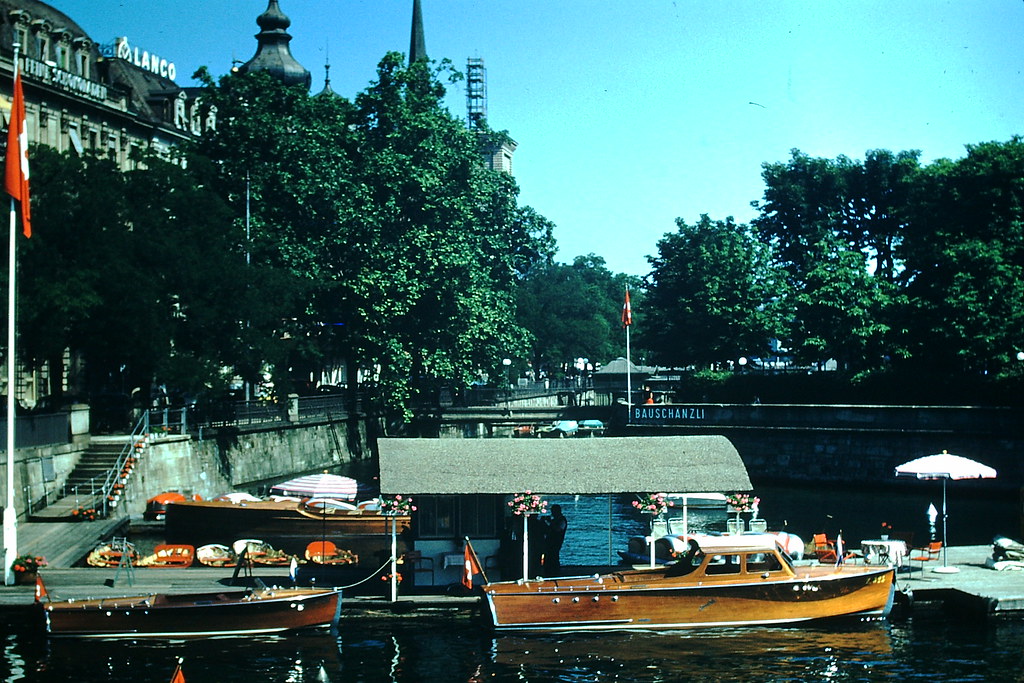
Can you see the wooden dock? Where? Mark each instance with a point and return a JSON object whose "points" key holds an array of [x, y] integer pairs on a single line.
{"points": [[974, 590]]}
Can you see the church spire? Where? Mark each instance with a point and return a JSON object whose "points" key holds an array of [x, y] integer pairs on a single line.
{"points": [[272, 52], [417, 43]]}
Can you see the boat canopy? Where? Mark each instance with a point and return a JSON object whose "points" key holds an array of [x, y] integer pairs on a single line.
{"points": [[586, 466]]}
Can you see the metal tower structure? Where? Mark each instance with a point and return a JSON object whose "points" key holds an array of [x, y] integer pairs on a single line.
{"points": [[476, 90]]}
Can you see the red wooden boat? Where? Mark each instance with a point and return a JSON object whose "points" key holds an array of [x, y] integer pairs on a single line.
{"points": [[158, 615]]}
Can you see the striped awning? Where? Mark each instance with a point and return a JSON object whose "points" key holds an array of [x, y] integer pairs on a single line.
{"points": [[318, 486]]}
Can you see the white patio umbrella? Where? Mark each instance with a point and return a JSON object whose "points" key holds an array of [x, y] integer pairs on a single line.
{"points": [[319, 486], [945, 466]]}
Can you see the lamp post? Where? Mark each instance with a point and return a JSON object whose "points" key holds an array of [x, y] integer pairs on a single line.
{"points": [[507, 362]]}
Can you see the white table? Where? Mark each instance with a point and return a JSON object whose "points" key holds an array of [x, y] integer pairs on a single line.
{"points": [[889, 552]]}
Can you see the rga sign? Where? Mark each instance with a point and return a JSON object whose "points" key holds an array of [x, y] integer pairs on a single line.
{"points": [[144, 60]]}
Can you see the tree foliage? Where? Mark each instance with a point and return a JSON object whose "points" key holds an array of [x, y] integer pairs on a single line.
{"points": [[712, 297], [573, 311], [409, 246]]}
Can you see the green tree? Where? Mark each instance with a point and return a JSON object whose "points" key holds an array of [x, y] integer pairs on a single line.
{"points": [[965, 261], [713, 295], [573, 311], [836, 227], [410, 248]]}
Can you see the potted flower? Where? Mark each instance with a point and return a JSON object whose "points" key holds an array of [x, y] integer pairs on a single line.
{"points": [[886, 530], [652, 503], [527, 503], [26, 568], [84, 514], [740, 503], [399, 505]]}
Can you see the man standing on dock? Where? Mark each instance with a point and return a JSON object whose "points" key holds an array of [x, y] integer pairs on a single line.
{"points": [[554, 538]]}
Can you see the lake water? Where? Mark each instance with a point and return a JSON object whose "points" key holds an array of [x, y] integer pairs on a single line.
{"points": [[412, 649], [432, 646]]}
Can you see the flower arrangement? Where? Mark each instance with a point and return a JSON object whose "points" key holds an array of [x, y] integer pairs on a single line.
{"points": [[742, 502], [653, 503], [84, 514], [886, 528], [28, 563], [527, 503], [388, 577], [398, 505]]}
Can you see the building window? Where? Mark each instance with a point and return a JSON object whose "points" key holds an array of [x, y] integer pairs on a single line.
{"points": [[453, 517]]}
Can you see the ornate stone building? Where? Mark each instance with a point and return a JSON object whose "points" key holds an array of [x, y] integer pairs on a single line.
{"points": [[81, 95]]}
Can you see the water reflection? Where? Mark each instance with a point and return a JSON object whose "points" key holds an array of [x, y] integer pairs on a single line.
{"points": [[438, 648], [735, 654]]}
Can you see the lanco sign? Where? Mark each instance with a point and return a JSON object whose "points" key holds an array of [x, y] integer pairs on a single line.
{"points": [[144, 60]]}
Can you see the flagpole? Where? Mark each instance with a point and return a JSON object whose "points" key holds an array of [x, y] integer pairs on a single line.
{"points": [[627, 322], [10, 515]]}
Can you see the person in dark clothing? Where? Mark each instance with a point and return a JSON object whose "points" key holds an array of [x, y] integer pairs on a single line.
{"points": [[554, 538], [688, 561]]}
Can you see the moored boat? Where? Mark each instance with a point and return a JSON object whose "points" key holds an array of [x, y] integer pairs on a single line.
{"points": [[727, 581], [287, 525], [158, 615]]}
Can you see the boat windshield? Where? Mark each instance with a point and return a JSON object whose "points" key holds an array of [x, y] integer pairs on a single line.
{"points": [[785, 557]]}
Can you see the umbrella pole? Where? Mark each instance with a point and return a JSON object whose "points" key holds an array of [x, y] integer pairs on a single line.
{"points": [[945, 568]]}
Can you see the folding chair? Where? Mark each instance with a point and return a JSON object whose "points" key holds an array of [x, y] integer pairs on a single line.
{"points": [[922, 555]]}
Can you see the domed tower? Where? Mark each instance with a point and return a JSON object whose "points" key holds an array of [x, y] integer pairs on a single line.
{"points": [[272, 53]]}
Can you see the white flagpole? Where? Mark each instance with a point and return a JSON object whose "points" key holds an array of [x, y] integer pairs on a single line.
{"points": [[629, 383], [10, 515]]}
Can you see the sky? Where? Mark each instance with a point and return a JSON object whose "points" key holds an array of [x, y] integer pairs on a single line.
{"points": [[629, 115]]}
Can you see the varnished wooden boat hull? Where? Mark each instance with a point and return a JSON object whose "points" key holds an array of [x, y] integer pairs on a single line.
{"points": [[649, 600], [285, 526], [203, 614]]}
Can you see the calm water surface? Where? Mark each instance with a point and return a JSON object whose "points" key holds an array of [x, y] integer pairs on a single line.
{"points": [[422, 649], [928, 646]]}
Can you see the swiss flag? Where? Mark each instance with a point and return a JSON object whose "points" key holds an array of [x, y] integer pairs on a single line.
{"points": [[627, 312], [469, 566], [16, 176]]}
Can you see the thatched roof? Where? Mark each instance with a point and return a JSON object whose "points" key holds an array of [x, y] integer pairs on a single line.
{"points": [[678, 464]]}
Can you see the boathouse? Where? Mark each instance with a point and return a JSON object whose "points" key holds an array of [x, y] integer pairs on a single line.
{"points": [[461, 485]]}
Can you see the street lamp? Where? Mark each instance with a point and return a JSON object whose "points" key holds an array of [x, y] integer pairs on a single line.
{"points": [[507, 362]]}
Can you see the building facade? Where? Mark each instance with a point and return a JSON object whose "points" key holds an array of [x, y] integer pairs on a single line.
{"points": [[83, 96]]}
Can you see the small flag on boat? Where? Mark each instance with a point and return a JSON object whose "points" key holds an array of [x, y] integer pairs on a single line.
{"points": [[627, 312], [179, 676], [839, 548], [41, 589], [470, 566]]}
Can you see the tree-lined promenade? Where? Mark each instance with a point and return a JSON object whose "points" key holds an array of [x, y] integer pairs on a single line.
{"points": [[316, 232]]}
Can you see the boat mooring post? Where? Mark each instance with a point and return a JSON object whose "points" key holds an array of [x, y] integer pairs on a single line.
{"points": [[394, 559]]}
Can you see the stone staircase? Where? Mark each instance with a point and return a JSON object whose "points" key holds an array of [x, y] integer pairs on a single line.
{"points": [[83, 486]]}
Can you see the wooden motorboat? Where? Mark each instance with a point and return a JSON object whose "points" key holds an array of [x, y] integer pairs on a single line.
{"points": [[158, 615], [287, 525], [729, 581], [111, 555], [216, 555], [325, 552], [169, 555]]}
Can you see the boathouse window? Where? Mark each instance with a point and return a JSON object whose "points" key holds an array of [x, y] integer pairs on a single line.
{"points": [[476, 516]]}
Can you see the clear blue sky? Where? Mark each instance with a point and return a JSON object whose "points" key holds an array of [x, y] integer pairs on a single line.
{"points": [[631, 114]]}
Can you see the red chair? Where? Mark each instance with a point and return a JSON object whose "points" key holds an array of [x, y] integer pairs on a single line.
{"points": [[922, 555], [825, 550]]}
